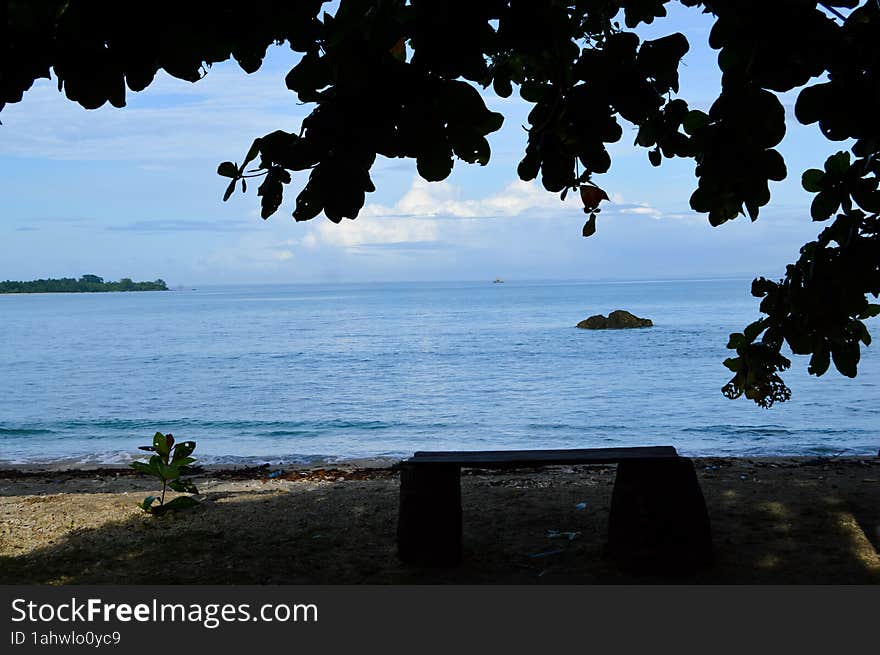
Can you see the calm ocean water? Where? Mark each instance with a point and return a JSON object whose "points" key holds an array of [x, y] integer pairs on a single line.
{"points": [[302, 372]]}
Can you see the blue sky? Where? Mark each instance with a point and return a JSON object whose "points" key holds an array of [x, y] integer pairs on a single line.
{"points": [[134, 192]]}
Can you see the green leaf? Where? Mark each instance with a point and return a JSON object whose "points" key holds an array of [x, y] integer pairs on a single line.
{"points": [[142, 467], [183, 449], [528, 168], [470, 146], [160, 443], [846, 358], [646, 136], [181, 502], [812, 102], [228, 169], [838, 163], [736, 340], [871, 311], [694, 121], [155, 465], [820, 360], [860, 331], [184, 486], [308, 204], [823, 206], [168, 471], [147, 503], [733, 363], [753, 330], [774, 166], [811, 180]]}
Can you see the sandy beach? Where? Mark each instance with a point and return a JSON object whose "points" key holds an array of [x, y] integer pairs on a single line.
{"points": [[774, 521]]}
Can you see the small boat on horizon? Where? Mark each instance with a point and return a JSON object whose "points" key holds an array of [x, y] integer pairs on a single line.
{"points": [[497, 280]]}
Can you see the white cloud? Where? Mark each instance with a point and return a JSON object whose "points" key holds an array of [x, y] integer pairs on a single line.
{"points": [[415, 218], [644, 209], [367, 230], [441, 199], [426, 212]]}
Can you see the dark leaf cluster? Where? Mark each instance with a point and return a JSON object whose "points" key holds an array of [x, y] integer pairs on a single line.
{"points": [[85, 284]]}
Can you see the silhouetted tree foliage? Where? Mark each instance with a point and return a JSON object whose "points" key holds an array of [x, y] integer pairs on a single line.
{"points": [[400, 79], [86, 283]]}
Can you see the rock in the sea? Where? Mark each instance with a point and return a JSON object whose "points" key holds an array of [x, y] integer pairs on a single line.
{"points": [[616, 320]]}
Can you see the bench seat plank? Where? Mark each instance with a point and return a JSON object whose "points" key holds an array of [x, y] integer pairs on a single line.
{"points": [[491, 458]]}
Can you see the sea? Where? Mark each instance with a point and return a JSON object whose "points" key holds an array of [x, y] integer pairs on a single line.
{"points": [[328, 372]]}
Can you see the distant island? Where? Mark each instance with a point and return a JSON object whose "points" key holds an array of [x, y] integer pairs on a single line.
{"points": [[85, 284]]}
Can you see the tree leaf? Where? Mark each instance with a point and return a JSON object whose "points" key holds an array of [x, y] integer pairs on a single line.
{"points": [[502, 86], [398, 50], [753, 330], [846, 358], [590, 226], [694, 121], [812, 179], [227, 169], [434, 165], [230, 189], [824, 205], [252, 153], [838, 163], [591, 196], [820, 361], [870, 311]]}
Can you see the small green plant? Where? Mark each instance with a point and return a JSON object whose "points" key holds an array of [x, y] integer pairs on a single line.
{"points": [[168, 465]]}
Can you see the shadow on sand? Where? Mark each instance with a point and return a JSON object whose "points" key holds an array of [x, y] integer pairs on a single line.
{"points": [[523, 527]]}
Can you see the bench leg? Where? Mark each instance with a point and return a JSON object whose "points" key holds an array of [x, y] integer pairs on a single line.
{"points": [[658, 520], [429, 525]]}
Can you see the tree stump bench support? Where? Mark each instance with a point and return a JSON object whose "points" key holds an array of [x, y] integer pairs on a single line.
{"points": [[657, 522]]}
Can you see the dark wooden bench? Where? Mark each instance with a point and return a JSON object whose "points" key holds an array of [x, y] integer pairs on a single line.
{"points": [[658, 519]]}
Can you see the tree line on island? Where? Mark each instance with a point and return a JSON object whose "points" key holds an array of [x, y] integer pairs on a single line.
{"points": [[86, 283]]}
